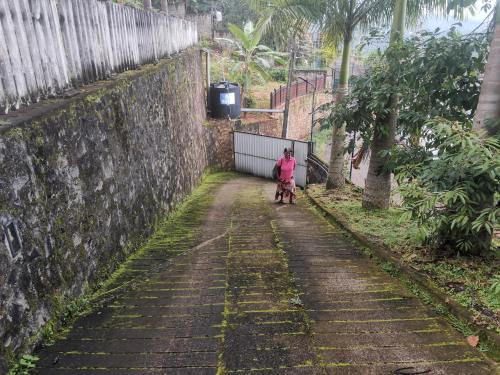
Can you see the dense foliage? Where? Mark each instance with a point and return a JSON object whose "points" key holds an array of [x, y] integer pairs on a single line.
{"points": [[448, 174], [450, 191], [279, 74], [237, 12], [434, 75], [200, 6], [134, 3]]}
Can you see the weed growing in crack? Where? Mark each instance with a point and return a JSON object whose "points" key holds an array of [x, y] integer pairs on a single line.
{"points": [[390, 268], [25, 365], [296, 301]]}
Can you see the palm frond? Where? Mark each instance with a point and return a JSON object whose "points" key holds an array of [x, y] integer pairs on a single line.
{"points": [[227, 40], [238, 33], [263, 62], [286, 16], [457, 8], [260, 70], [263, 48]]}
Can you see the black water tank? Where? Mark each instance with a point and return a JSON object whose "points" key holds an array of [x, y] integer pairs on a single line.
{"points": [[225, 100]]}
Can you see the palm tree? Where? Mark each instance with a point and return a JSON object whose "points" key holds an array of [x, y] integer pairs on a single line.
{"points": [[377, 190], [487, 116], [488, 108], [340, 20], [253, 58], [287, 19], [337, 19]]}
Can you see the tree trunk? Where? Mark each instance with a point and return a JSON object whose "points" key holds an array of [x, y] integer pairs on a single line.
{"points": [[488, 107], [147, 4], [336, 179], [291, 67], [246, 86], [377, 193]]}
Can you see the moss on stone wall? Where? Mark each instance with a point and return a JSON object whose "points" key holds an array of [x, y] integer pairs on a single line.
{"points": [[87, 179]]}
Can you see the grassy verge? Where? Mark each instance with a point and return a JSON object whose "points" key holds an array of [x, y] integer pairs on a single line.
{"points": [[260, 93], [467, 281]]}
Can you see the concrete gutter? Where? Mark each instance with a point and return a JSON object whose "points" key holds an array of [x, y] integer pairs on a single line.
{"points": [[425, 283]]}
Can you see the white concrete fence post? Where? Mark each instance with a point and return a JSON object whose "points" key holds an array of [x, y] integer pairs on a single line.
{"points": [[148, 5], [164, 6]]}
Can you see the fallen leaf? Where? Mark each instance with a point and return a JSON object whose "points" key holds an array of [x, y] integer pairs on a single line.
{"points": [[473, 340]]}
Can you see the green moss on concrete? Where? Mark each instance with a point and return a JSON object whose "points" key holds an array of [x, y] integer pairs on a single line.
{"points": [[265, 268], [465, 279], [463, 327], [95, 97], [181, 225]]}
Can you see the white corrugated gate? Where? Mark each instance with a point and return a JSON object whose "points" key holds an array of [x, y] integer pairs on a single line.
{"points": [[257, 154]]}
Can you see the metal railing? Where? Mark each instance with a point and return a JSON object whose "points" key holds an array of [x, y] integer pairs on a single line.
{"points": [[48, 46], [297, 88]]}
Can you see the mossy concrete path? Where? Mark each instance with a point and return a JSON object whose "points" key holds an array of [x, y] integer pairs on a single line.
{"points": [[241, 284]]}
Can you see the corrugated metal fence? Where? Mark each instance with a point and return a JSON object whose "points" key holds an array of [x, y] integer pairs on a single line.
{"points": [[257, 154], [47, 46]]}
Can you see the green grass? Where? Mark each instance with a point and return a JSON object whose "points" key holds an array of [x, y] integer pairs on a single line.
{"points": [[467, 280], [382, 225], [260, 92], [469, 283]]}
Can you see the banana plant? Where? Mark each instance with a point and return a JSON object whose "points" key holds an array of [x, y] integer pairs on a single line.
{"points": [[251, 57]]}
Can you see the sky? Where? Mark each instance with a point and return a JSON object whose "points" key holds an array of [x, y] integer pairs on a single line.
{"points": [[469, 24], [431, 22]]}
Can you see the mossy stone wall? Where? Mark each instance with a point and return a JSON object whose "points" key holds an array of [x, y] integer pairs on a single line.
{"points": [[86, 178]]}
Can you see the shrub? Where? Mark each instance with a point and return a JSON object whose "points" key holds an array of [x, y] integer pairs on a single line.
{"points": [[24, 366], [450, 192], [279, 75]]}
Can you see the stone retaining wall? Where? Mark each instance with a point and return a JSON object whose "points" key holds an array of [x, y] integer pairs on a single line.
{"points": [[300, 115], [84, 179]]}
